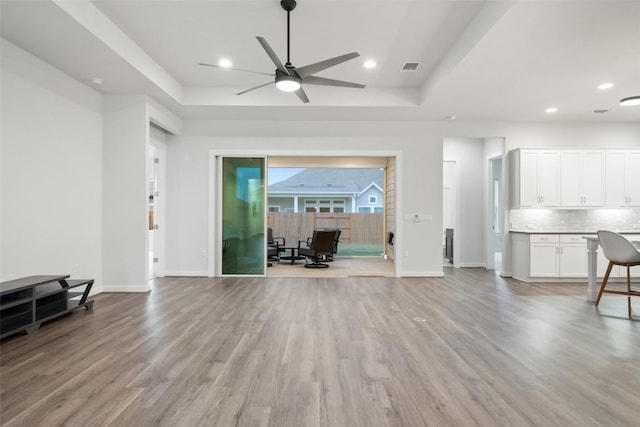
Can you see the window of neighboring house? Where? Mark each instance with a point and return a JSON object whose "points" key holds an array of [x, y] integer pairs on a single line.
{"points": [[373, 200], [370, 209], [288, 209], [324, 205], [274, 208]]}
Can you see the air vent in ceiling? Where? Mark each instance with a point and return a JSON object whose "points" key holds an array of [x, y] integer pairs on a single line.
{"points": [[410, 66]]}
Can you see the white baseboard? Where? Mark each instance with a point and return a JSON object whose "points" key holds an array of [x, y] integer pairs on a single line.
{"points": [[422, 274], [472, 265], [183, 273]]}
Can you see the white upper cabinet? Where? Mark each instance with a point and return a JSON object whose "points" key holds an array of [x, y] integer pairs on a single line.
{"points": [[622, 178], [582, 178], [537, 182], [574, 178]]}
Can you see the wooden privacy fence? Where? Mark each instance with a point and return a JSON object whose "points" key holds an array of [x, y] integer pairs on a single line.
{"points": [[365, 228]]}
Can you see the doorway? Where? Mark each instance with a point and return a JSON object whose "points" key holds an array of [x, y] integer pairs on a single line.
{"points": [[156, 174], [495, 202], [319, 160], [449, 211]]}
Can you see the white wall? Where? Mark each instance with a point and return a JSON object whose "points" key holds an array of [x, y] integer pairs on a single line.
{"points": [[468, 153], [51, 133], [188, 173], [125, 214]]}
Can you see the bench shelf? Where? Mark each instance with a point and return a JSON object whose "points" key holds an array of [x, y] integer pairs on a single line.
{"points": [[27, 302]]}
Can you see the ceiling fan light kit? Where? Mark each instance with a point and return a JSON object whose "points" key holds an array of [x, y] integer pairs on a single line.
{"points": [[287, 83], [287, 77], [630, 101]]}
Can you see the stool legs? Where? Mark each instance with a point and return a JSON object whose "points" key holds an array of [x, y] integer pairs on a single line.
{"points": [[604, 282]]}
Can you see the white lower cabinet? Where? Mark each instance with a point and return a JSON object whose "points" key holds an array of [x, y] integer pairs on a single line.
{"points": [[544, 255], [557, 255]]}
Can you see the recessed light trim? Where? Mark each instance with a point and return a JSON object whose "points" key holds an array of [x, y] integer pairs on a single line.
{"points": [[369, 64], [601, 111], [630, 101], [605, 86], [225, 63], [551, 110]]}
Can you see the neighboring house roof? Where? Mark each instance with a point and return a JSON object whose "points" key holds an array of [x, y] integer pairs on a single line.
{"points": [[329, 181]]}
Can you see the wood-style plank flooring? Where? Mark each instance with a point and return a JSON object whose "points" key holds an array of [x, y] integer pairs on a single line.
{"points": [[470, 349]]}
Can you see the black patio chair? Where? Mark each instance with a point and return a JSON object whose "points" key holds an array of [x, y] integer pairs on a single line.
{"points": [[275, 245], [319, 249]]}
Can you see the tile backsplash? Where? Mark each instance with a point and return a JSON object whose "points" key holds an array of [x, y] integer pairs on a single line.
{"points": [[583, 220]]}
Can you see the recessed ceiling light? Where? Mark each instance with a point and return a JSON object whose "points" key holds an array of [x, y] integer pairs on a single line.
{"points": [[450, 118], [551, 110], [600, 111], [605, 86], [97, 80], [370, 64], [224, 62], [630, 101]]}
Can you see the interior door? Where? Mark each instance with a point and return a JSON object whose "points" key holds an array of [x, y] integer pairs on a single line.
{"points": [[243, 215]]}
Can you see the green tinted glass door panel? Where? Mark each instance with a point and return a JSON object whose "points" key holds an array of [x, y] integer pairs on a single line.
{"points": [[243, 216]]}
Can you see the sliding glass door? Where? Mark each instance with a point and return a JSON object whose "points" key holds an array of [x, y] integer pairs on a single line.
{"points": [[243, 216]]}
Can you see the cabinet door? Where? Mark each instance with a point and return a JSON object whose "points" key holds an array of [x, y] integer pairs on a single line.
{"points": [[573, 260], [592, 178], [615, 194], [529, 178], [548, 178], [632, 178], [543, 260], [570, 177]]}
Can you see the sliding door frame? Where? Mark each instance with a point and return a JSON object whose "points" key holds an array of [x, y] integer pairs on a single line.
{"points": [[214, 259]]}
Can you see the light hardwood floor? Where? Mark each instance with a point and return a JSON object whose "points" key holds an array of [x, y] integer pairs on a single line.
{"points": [[468, 349]]}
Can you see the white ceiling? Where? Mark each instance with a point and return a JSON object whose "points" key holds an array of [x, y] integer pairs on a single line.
{"points": [[495, 60]]}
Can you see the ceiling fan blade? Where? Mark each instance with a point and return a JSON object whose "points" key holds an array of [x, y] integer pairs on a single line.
{"points": [[237, 69], [272, 54], [307, 70], [314, 80], [254, 88], [302, 95]]}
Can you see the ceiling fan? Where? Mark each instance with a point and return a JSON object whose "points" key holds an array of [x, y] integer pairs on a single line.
{"points": [[288, 78]]}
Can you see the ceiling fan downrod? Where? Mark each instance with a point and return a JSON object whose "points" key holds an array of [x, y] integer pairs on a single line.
{"points": [[288, 6]]}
